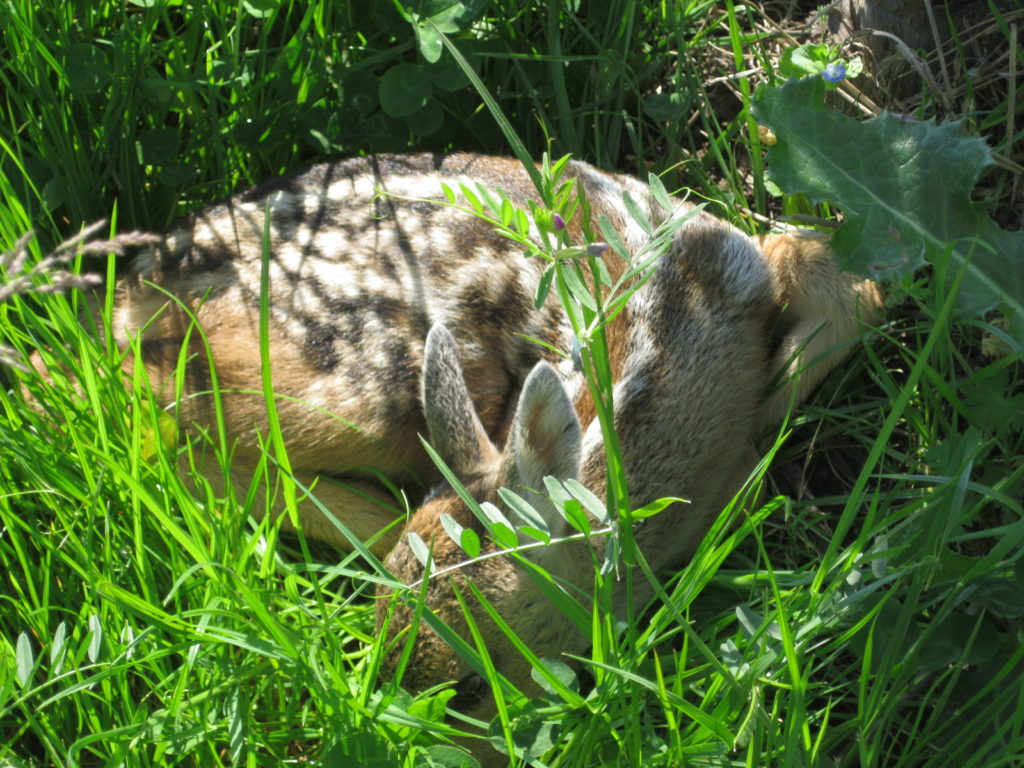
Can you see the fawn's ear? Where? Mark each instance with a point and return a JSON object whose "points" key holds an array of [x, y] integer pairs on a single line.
{"points": [[545, 435], [456, 432]]}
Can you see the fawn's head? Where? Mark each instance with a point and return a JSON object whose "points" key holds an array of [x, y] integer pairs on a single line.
{"points": [[544, 439]]}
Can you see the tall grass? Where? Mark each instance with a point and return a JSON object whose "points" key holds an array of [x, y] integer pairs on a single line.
{"points": [[869, 614]]}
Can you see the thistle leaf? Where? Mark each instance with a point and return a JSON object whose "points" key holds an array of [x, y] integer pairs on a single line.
{"points": [[905, 190]]}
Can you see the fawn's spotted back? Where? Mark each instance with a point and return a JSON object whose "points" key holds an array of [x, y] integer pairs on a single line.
{"points": [[360, 267]]}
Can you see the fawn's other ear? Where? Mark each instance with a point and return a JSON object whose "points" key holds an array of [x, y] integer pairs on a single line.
{"points": [[456, 432], [545, 435]]}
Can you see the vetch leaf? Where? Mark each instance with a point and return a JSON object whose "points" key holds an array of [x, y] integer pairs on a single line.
{"points": [[573, 512], [95, 639], [905, 190], [579, 291], [544, 286], [472, 199], [500, 528], [57, 648], [636, 212], [571, 508], [611, 236], [470, 542], [464, 537], [452, 527], [652, 509], [418, 547], [24, 659], [659, 193], [525, 511], [593, 504]]}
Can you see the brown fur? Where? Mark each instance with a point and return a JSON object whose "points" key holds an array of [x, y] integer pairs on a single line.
{"points": [[704, 339], [361, 266]]}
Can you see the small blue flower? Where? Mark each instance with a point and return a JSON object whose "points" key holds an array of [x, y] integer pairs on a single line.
{"points": [[834, 72]]}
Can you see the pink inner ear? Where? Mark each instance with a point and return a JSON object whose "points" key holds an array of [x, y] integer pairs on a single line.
{"points": [[547, 431]]}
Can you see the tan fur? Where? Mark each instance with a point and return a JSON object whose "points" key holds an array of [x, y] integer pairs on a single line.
{"points": [[361, 267], [704, 339]]}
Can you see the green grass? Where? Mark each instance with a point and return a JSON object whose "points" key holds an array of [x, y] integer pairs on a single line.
{"points": [[869, 615]]}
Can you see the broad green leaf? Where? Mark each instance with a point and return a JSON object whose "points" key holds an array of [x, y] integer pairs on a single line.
{"points": [[441, 16], [87, 69], [426, 121], [807, 59], [667, 107], [991, 408], [905, 190], [430, 44], [533, 734], [960, 640], [559, 669], [158, 146], [1003, 597], [404, 89], [431, 708], [446, 74], [444, 756]]}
